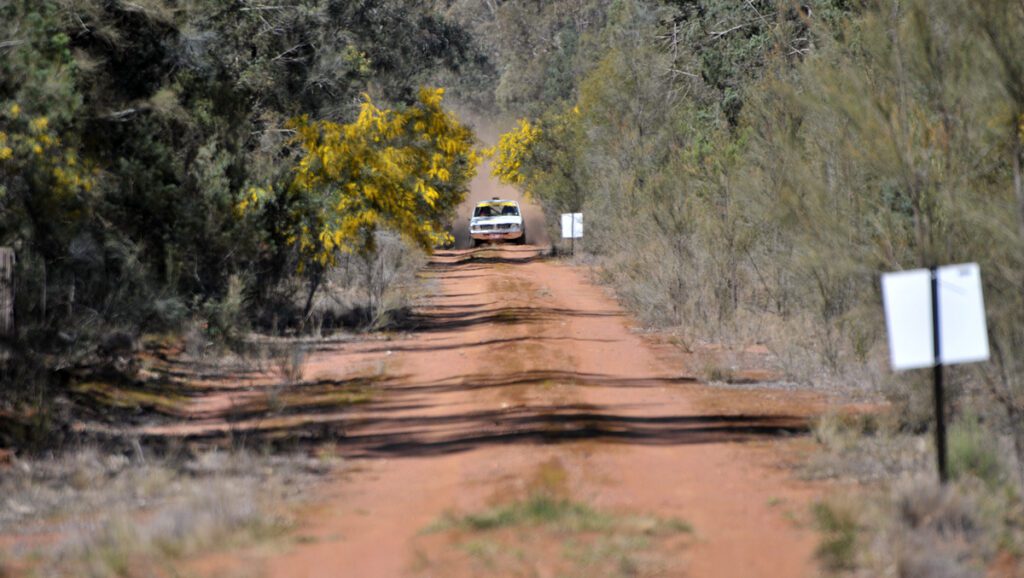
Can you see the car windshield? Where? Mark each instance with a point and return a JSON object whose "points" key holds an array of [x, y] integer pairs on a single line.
{"points": [[496, 209]]}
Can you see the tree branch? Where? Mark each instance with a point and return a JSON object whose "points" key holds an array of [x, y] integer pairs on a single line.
{"points": [[721, 33]]}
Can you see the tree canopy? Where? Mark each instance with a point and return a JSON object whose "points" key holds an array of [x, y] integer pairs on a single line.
{"points": [[132, 132]]}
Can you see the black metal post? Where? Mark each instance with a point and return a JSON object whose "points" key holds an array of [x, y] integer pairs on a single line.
{"points": [[940, 404], [572, 234]]}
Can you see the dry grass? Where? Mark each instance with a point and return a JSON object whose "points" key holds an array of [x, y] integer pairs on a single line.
{"points": [[218, 515], [866, 448], [118, 516], [915, 529], [125, 397], [900, 522], [374, 293]]}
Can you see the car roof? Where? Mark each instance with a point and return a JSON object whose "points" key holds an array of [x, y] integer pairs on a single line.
{"points": [[499, 202]]}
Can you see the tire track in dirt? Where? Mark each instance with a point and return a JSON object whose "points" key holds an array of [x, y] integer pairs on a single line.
{"points": [[521, 361]]}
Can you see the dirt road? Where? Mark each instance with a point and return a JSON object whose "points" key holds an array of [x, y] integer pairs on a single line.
{"points": [[522, 371]]}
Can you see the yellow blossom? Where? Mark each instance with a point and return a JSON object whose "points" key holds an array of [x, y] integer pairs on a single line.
{"points": [[404, 170], [512, 149]]}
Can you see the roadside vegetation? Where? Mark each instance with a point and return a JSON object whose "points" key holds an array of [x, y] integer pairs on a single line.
{"points": [[125, 517], [171, 169], [901, 522], [748, 169]]}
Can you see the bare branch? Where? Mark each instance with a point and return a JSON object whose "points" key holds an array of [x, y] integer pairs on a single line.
{"points": [[721, 33], [678, 72], [259, 8], [292, 49], [758, 12], [274, 130], [124, 115]]}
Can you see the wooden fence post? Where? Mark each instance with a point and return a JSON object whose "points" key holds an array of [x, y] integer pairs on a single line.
{"points": [[6, 291]]}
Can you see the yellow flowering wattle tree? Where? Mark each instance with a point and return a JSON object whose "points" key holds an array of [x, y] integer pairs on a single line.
{"points": [[513, 152], [45, 186], [540, 158], [403, 170], [30, 148]]}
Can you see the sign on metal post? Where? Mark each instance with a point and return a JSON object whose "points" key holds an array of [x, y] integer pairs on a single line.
{"points": [[572, 225], [935, 317], [908, 317], [572, 228]]}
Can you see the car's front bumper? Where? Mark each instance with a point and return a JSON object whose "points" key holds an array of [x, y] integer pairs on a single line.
{"points": [[497, 236]]}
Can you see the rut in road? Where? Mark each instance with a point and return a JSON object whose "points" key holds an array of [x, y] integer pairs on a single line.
{"points": [[520, 363]]}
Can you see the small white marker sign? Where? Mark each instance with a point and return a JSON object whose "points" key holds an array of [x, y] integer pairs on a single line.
{"points": [[572, 225], [963, 333]]}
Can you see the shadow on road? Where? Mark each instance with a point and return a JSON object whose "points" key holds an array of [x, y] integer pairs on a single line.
{"points": [[564, 425], [383, 428], [448, 261], [441, 321]]}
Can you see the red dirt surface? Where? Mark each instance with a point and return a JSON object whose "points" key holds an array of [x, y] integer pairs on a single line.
{"points": [[521, 362]]}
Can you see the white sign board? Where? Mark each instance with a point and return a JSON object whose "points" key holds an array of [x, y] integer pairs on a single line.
{"points": [[572, 225], [963, 334]]}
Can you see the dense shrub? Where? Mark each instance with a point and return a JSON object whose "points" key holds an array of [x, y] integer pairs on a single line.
{"points": [[131, 132]]}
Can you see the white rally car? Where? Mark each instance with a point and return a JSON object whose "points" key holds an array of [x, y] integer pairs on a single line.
{"points": [[497, 220]]}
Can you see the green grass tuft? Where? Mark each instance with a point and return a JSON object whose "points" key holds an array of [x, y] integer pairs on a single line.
{"points": [[560, 514], [972, 451], [839, 528], [593, 542]]}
